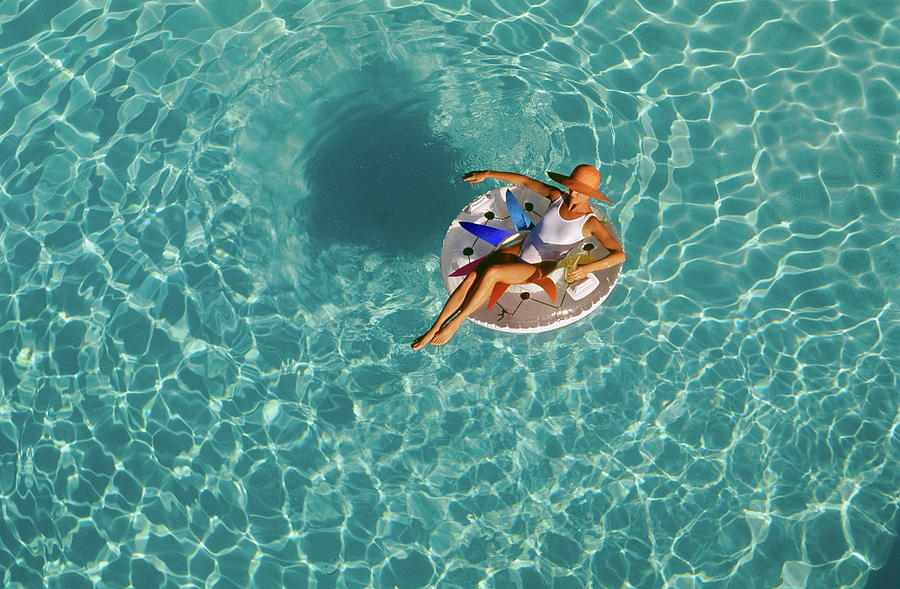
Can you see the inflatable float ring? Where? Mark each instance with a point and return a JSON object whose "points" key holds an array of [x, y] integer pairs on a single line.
{"points": [[523, 308]]}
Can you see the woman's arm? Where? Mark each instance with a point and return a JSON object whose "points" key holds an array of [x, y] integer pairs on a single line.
{"points": [[517, 179], [616, 253]]}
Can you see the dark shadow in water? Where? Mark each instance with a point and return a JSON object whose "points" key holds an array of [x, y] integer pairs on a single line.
{"points": [[378, 175]]}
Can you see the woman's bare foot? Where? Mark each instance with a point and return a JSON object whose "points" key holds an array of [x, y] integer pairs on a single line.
{"points": [[423, 340], [446, 332]]}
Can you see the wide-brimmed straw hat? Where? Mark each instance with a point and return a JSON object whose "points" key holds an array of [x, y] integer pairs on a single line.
{"points": [[584, 178]]}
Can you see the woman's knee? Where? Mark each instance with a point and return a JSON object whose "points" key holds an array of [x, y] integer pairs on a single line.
{"points": [[492, 272]]}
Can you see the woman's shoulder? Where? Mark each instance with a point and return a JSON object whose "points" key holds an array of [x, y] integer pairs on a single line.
{"points": [[556, 197], [594, 225]]}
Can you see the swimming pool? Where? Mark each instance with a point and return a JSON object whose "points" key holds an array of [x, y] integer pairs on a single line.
{"points": [[221, 224]]}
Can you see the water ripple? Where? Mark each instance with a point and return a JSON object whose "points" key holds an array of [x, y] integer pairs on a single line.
{"points": [[218, 242]]}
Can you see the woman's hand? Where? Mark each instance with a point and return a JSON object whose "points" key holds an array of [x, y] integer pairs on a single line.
{"points": [[476, 177], [579, 272]]}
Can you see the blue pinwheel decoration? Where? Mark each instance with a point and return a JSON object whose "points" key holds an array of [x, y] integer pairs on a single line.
{"points": [[518, 216], [495, 236]]}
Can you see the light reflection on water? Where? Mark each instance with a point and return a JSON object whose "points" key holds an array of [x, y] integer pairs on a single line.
{"points": [[221, 228]]}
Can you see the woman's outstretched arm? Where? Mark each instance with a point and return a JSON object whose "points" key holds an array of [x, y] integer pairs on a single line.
{"points": [[517, 179]]}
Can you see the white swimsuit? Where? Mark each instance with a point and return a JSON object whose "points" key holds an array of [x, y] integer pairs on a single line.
{"points": [[552, 236]]}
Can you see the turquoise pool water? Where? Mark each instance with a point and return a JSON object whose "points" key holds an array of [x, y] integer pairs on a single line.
{"points": [[221, 223]]}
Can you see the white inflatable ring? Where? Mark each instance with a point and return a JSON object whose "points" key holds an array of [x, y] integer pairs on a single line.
{"points": [[525, 308]]}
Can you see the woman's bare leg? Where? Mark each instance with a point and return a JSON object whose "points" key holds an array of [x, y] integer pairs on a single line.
{"points": [[452, 305], [460, 293], [512, 273]]}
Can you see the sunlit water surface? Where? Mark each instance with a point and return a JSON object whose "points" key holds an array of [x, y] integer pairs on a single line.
{"points": [[221, 224]]}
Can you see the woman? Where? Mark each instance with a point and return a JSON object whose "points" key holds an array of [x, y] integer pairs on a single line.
{"points": [[567, 221]]}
